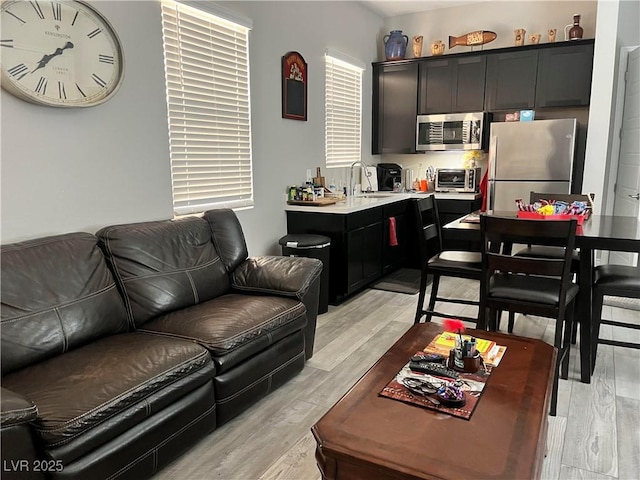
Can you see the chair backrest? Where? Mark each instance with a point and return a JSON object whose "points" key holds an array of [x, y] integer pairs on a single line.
{"points": [[499, 233], [427, 228]]}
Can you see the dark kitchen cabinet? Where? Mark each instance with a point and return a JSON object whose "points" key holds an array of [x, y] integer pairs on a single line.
{"points": [[511, 80], [363, 248], [395, 108], [448, 211], [564, 76], [452, 85], [394, 256], [356, 246]]}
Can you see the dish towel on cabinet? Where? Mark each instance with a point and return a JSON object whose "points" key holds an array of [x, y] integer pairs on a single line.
{"points": [[393, 239]]}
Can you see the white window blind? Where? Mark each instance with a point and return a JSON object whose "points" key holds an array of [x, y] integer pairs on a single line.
{"points": [[343, 112], [207, 77]]}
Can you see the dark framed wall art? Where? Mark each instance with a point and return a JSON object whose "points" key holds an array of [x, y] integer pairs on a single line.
{"points": [[294, 87]]}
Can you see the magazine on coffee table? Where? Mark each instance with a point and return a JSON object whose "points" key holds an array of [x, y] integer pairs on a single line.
{"points": [[472, 384]]}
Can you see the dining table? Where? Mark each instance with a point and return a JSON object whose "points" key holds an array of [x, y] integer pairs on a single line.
{"points": [[598, 232]]}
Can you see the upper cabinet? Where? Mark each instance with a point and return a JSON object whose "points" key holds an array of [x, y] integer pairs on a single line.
{"points": [[452, 85], [548, 75], [394, 108], [511, 80], [564, 76]]}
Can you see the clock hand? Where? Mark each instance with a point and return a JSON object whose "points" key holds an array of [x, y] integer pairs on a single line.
{"points": [[47, 58]]}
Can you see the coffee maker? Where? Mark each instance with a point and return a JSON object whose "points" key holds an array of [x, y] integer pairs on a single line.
{"points": [[388, 174]]}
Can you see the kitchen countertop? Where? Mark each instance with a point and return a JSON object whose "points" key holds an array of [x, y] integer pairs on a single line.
{"points": [[376, 199]]}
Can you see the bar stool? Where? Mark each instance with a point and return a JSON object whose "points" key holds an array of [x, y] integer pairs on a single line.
{"points": [[618, 281]]}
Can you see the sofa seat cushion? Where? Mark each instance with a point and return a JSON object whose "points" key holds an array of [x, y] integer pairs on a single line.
{"points": [[126, 378], [234, 327]]}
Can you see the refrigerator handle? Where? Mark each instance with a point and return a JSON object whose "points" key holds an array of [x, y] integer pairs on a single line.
{"points": [[493, 144], [491, 192]]}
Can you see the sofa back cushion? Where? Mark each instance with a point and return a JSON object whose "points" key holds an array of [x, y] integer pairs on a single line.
{"points": [[164, 265], [227, 237], [57, 294]]}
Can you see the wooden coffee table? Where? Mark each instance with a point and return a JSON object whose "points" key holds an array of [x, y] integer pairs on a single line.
{"points": [[365, 436]]}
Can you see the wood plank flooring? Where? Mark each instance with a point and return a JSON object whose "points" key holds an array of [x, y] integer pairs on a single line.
{"points": [[596, 434]]}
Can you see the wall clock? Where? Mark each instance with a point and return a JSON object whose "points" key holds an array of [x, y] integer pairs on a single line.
{"points": [[59, 53]]}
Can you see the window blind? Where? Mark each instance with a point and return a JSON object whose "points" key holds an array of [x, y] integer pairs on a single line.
{"points": [[343, 112], [207, 77]]}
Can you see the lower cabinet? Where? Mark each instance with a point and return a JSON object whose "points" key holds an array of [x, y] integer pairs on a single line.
{"points": [[450, 210], [395, 256], [361, 250]]}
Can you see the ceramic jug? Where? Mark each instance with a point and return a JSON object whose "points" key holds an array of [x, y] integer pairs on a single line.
{"points": [[395, 45]]}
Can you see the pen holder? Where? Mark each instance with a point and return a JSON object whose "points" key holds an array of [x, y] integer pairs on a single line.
{"points": [[464, 364]]}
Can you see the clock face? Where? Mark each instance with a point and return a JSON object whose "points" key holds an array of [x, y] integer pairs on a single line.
{"points": [[59, 53]]}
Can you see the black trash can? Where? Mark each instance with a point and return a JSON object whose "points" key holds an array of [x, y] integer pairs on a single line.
{"points": [[311, 246]]}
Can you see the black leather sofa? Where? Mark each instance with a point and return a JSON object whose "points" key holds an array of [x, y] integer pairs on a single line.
{"points": [[121, 349]]}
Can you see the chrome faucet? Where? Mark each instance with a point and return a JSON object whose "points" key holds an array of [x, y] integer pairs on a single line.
{"points": [[352, 186]]}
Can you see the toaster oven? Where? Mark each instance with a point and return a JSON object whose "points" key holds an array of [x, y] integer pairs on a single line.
{"points": [[458, 179]]}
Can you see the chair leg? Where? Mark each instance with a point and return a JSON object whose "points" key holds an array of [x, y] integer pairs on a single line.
{"points": [[423, 291], [554, 395], [568, 332], [435, 283], [492, 319], [596, 317], [512, 319], [574, 333]]}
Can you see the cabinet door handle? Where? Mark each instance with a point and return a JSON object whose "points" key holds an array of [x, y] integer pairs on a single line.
{"points": [[636, 196]]}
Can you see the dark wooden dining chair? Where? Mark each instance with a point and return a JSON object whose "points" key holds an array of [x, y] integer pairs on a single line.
{"points": [[539, 251], [438, 263], [530, 285], [617, 281]]}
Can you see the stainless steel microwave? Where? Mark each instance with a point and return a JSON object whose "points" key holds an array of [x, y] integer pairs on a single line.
{"points": [[458, 179], [451, 131]]}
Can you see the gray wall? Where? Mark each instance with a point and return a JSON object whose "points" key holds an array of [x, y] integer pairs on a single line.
{"points": [[66, 170], [80, 169]]}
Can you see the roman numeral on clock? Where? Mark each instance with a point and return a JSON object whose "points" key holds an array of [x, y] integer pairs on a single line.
{"points": [[61, 92], [94, 33], [80, 90], [57, 11], [36, 7], [18, 71], [73, 22], [7, 43], [106, 59], [41, 88], [98, 80]]}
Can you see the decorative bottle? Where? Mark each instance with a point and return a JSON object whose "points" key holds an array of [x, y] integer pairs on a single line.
{"points": [[576, 31]]}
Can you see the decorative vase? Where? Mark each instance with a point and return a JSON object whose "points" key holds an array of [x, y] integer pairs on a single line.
{"points": [[534, 38], [437, 48], [519, 36], [575, 31], [552, 35], [395, 45], [417, 46]]}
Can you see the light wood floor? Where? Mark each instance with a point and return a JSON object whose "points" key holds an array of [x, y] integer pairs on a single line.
{"points": [[595, 436]]}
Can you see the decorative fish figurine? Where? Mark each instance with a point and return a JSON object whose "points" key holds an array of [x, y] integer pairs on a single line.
{"points": [[479, 37]]}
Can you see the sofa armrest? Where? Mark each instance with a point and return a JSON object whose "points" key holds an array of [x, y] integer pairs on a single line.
{"points": [[19, 458], [15, 409], [287, 276]]}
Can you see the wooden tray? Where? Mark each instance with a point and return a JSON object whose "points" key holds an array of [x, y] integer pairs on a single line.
{"points": [[313, 203]]}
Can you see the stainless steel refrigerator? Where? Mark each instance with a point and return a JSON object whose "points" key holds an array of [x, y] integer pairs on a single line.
{"points": [[529, 157]]}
